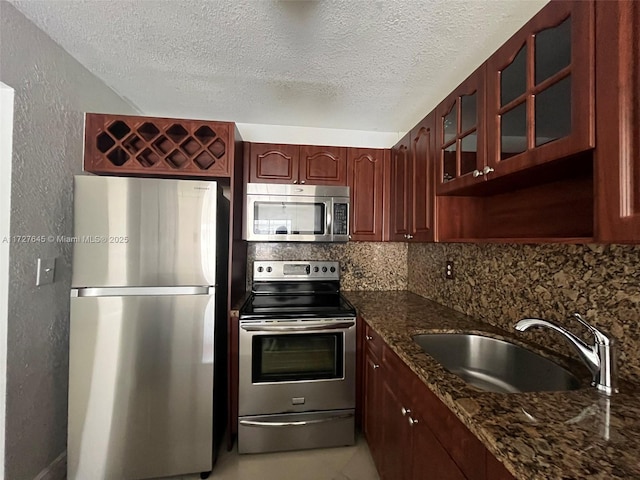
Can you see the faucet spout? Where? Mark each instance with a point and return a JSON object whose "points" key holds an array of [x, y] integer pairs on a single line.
{"points": [[599, 358]]}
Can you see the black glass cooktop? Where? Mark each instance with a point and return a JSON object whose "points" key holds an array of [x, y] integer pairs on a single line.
{"points": [[296, 300]]}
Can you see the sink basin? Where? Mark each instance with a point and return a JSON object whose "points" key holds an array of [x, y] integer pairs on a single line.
{"points": [[495, 365]]}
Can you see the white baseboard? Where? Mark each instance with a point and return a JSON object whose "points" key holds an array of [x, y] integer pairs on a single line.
{"points": [[57, 470]]}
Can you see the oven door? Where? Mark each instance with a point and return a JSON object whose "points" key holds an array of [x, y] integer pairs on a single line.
{"points": [[296, 365]]}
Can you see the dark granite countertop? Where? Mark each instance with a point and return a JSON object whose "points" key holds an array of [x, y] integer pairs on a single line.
{"points": [[577, 434]]}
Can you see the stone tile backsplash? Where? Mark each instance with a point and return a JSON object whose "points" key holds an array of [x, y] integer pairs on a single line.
{"points": [[502, 283], [499, 283], [365, 265]]}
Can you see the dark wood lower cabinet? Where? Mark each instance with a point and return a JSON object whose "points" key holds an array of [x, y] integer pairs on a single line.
{"points": [[411, 433], [372, 408], [396, 432], [430, 460]]}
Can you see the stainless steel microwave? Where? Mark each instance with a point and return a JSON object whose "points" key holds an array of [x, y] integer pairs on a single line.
{"points": [[296, 213]]}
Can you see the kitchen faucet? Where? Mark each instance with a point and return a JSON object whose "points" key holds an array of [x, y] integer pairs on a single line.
{"points": [[599, 357]]}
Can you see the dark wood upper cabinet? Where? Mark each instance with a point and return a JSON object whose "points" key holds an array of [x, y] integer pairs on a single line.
{"points": [[618, 124], [400, 190], [271, 163], [164, 147], [323, 165], [460, 135], [303, 164], [365, 177], [540, 90], [411, 184], [422, 167]]}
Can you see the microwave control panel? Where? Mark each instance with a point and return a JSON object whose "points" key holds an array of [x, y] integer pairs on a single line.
{"points": [[340, 219]]}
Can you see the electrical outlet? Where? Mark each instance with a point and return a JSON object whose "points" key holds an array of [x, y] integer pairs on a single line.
{"points": [[448, 270]]}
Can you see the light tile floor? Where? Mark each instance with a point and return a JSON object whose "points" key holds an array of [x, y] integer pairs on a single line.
{"points": [[344, 463]]}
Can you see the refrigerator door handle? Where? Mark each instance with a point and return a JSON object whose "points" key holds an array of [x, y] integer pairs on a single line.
{"points": [[140, 291]]}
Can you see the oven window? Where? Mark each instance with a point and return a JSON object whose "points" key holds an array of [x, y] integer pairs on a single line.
{"points": [[293, 357], [279, 218]]}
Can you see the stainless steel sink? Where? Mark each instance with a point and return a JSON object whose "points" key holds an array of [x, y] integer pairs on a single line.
{"points": [[495, 365]]}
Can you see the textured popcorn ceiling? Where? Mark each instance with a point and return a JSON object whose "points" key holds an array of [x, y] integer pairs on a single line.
{"points": [[350, 64]]}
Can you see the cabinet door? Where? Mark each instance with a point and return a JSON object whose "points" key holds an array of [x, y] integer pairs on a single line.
{"points": [[422, 153], [618, 123], [429, 460], [366, 182], [372, 425], [463, 448], [400, 202], [323, 165], [395, 447], [270, 163], [540, 89], [496, 470], [460, 135]]}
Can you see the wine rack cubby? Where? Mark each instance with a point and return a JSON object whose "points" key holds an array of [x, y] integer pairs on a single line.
{"points": [[131, 145]]}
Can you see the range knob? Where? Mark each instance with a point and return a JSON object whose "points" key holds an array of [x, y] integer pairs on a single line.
{"points": [[316, 269], [269, 269], [260, 269], [332, 269], [324, 269]]}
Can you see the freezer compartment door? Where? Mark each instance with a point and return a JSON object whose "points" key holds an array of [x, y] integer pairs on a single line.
{"points": [[145, 232], [140, 386]]}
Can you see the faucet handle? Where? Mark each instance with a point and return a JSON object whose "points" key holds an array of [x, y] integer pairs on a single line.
{"points": [[601, 337]]}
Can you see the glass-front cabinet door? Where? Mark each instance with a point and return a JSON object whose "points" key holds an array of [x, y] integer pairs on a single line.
{"points": [[540, 90], [460, 136]]}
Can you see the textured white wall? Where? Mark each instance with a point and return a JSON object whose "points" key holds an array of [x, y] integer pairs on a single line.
{"points": [[52, 90], [252, 132], [6, 134]]}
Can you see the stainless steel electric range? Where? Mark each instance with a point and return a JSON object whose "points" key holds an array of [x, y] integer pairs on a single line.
{"points": [[297, 359]]}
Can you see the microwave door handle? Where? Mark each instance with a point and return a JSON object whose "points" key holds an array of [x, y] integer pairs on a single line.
{"points": [[329, 219]]}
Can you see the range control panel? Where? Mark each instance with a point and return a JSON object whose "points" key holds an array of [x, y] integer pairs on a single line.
{"points": [[295, 270]]}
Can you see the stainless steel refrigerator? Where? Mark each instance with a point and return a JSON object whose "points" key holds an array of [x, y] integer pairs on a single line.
{"points": [[147, 340]]}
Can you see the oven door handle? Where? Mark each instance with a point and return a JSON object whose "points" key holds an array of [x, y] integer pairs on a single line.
{"points": [[300, 423], [301, 328]]}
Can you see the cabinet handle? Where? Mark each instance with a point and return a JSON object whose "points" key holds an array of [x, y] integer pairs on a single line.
{"points": [[477, 173], [368, 337], [295, 181], [486, 170], [405, 411], [376, 366], [302, 181], [409, 237], [412, 421]]}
